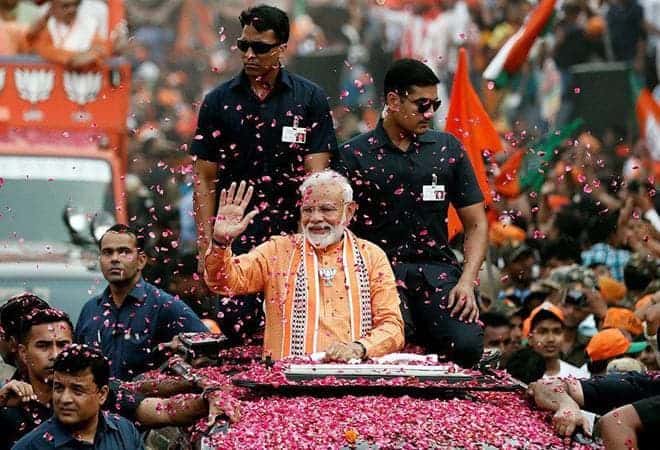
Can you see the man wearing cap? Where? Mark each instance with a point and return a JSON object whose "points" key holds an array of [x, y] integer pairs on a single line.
{"points": [[518, 270], [545, 330], [608, 345], [625, 320], [575, 290]]}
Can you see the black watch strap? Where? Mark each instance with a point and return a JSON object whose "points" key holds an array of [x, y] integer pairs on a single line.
{"points": [[364, 349], [220, 244]]}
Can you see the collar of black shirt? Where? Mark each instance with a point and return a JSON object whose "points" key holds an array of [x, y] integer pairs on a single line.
{"points": [[138, 294], [283, 80], [381, 139], [62, 435]]}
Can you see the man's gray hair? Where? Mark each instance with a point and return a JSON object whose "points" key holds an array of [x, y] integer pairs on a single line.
{"points": [[328, 177]]}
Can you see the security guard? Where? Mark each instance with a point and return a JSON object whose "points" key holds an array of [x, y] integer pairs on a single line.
{"points": [[405, 176], [267, 126]]}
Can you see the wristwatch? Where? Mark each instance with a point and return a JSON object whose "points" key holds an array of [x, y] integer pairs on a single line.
{"points": [[222, 245], [363, 355]]}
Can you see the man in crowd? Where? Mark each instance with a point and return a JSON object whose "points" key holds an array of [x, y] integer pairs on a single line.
{"points": [[267, 126], [630, 403], [406, 176], [67, 36], [80, 389], [325, 290], [545, 330], [12, 313], [575, 290], [497, 334], [131, 317], [15, 17], [43, 336], [518, 265], [25, 401], [608, 345]]}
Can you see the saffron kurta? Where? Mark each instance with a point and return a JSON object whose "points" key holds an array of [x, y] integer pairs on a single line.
{"points": [[270, 268]]}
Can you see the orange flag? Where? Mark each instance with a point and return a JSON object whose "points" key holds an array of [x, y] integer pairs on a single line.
{"points": [[648, 119], [468, 121]]}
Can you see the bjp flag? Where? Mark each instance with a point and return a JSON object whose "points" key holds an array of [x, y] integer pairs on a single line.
{"points": [[468, 121]]}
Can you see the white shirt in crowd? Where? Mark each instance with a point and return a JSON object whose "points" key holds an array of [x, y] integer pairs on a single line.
{"points": [[568, 370]]}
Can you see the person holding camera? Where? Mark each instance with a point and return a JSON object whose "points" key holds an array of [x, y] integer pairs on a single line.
{"points": [[574, 290]]}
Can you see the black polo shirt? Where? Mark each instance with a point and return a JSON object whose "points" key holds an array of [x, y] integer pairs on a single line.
{"points": [[605, 393], [388, 185], [112, 433], [243, 134]]}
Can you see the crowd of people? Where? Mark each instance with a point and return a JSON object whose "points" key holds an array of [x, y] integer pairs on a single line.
{"points": [[560, 276]]}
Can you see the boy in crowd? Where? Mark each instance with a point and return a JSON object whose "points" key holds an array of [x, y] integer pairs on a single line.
{"points": [[545, 330]]}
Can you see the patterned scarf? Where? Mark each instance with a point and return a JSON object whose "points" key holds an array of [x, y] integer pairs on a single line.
{"points": [[301, 311]]}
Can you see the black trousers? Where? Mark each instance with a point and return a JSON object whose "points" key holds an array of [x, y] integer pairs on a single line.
{"points": [[648, 410], [424, 291]]}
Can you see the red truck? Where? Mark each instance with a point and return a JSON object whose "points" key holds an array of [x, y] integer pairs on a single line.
{"points": [[63, 158]]}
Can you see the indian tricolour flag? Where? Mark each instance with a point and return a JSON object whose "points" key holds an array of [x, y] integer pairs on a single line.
{"points": [[648, 119], [513, 53]]}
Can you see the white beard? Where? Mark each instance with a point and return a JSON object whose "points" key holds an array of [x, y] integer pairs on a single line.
{"points": [[322, 241]]}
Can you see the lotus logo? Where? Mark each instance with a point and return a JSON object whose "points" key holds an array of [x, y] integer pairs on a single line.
{"points": [[2, 78], [82, 88], [34, 85]]}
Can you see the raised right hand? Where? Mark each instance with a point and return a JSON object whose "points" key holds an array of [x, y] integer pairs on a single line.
{"points": [[231, 220]]}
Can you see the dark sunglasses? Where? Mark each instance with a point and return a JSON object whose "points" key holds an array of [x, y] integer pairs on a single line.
{"points": [[424, 104], [257, 47]]}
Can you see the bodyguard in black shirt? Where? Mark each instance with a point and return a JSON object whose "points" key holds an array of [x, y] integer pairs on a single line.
{"points": [[267, 126], [405, 176]]}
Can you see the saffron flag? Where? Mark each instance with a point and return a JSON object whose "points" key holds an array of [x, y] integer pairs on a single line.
{"points": [[468, 121], [513, 53], [648, 119]]}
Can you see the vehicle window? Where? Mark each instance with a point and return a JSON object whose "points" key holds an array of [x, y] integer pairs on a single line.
{"points": [[34, 192]]}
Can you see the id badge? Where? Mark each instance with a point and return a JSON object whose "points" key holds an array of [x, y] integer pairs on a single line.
{"points": [[433, 193], [294, 135]]}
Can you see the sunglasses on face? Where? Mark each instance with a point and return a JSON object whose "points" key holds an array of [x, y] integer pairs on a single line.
{"points": [[257, 47], [424, 104]]}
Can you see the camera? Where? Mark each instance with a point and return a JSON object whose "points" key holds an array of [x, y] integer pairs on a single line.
{"points": [[577, 298]]}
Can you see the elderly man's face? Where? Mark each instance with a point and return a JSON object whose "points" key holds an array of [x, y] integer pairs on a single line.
{"points": [[324, 214], [65, 10]]}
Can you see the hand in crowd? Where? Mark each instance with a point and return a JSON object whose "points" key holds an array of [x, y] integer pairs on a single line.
{"points": [[567, 419], [220, 403], [462, 301], [170, 347], [231, 220], [595, 303], [343, 352], [16, 392]]}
